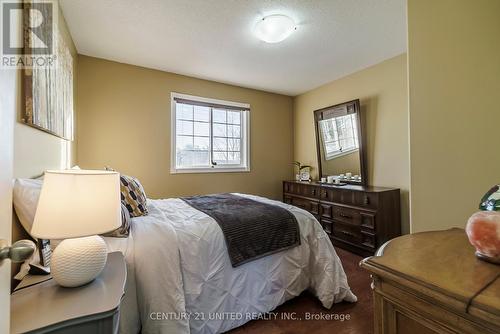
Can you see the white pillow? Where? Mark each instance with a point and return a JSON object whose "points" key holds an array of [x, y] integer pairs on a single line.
{"points": [[25, 196]]}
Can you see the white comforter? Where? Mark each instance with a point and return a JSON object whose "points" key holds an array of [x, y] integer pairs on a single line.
{"points": [[180, 278]]}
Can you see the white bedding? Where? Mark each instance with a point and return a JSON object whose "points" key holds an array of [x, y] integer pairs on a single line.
{"points": [[180, 276]]}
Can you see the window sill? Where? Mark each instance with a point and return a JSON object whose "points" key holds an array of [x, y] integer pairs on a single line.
{"points": [[341, 154], [210, 170]]}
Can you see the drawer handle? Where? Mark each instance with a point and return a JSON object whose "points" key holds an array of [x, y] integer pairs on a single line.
{"points": [[367, 200], [348, 233], [314, 192], [345, 216]]}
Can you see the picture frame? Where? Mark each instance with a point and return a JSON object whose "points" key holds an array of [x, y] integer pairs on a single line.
{"points": [[47, 92]]}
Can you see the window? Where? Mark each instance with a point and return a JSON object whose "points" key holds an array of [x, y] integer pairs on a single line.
{"points": [[339, 136], [209, 135]]}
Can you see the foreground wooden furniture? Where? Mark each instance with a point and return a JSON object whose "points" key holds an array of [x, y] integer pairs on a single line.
{"points": [[431, 282], [357, 218], [92, 308]]}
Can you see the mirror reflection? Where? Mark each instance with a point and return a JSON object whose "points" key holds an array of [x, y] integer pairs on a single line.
{"points": [[339, 144]]}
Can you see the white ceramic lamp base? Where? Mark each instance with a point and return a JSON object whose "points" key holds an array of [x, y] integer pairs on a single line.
{"points": [[78, 261]]}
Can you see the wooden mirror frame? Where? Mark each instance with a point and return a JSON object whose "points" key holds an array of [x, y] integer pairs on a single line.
{"points": [[333, 111]]}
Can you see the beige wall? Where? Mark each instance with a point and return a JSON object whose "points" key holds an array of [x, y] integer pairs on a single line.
{"points": [[124, 122], [454, 80], [35, 150], [8, 108], [382, 90]]}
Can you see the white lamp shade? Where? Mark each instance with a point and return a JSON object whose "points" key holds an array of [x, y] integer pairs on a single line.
{"points": [[77, 203]]}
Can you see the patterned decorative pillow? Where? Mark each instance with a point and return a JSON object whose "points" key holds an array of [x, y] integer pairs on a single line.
{"points": [[124, 230], [133, 196]]}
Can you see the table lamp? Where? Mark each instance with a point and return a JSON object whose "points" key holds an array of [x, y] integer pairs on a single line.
{"points": [[76, 205]]}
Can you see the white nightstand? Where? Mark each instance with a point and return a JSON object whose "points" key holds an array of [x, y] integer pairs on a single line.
{"points": [[93, 308]]}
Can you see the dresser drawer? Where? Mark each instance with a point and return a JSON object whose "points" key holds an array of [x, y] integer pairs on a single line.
{"points": [[306, 190], [337, 195], [311, 206], [291, 188], [311, 191], [367, 220], [347, 232], [346, 215], [327, 226], [369, 239], [326, 210], [366, 199]]}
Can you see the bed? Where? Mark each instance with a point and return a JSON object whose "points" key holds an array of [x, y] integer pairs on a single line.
{"points": [[180, 278]]}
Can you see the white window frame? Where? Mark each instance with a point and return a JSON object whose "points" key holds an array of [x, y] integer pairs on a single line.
{"points": [[245, 130]]}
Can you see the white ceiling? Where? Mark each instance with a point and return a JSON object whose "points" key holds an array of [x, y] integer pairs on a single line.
{"points": [[213, 39]]}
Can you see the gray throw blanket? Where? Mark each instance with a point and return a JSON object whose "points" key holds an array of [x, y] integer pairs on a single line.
{"points": [[252, 229]]}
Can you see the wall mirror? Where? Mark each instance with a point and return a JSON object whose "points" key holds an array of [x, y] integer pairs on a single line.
{"points": [[340, 143]]}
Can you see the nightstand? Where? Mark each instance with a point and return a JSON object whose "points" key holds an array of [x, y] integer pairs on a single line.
{"points": [[93, 308], [431, 283]]}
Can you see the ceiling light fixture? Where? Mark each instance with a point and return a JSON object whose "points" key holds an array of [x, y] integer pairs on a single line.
{"points": [[274, 28]]}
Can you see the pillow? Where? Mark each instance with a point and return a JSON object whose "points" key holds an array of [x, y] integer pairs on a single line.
{"points": [[124, 230], [133, 196], [25, 197]]}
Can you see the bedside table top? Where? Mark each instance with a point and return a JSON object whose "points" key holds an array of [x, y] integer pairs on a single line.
{"points": [[443, 263], [47, 304]]}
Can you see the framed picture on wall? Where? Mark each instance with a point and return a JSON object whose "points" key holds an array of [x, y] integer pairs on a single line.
{"points": [[48, 90]]}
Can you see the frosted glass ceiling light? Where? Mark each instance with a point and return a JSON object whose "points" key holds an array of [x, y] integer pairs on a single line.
{"points": [[274, 28]]}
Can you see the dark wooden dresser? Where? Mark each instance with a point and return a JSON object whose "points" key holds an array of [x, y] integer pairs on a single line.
{"points": [[431, 282], [357, 218]]}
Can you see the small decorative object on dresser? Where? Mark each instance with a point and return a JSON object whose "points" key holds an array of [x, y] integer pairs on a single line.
{"points": [[483, 227], [431, 282], [303, 172], [357, 218], [39, 305]]}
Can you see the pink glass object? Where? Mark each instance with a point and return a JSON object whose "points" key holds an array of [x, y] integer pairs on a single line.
{"points": [[483, 230]]}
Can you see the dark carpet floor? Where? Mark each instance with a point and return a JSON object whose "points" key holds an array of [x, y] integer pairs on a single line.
{"points": [[361, 313]]}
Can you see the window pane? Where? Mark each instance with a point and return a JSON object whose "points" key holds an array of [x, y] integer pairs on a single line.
{"points": [[220, 157], [219, 115], [234, 117], [201, 113], [184, 159], [355, 130], [219, 130], [184, 128], [347, 144], [233, 131], [201, 158], [220, 144], [201, 129], [184, 143], [329, 130], [237, 158], [233, 145], [233, 158], [184, 111], [202, 143], [192, 158], [332, 147]]}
